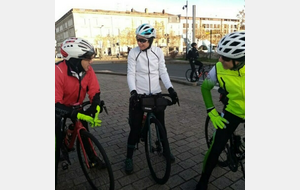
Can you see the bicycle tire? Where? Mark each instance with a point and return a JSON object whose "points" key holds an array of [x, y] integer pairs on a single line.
{"points": [[188, 76], [98, 178], [157, 152], [204, 75], [209, 133], [241, 155]]}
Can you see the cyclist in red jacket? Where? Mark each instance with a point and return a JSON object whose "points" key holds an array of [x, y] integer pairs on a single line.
{"points": [[74, 78]]}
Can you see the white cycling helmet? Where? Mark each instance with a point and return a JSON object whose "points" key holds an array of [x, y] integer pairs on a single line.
{"points": [[146, 30], [232, 45], [76, 48]]}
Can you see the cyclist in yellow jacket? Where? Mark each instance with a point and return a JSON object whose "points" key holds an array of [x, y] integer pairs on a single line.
{"points": [[229, 72]]}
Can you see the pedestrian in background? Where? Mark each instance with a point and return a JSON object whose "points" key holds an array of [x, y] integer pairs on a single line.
{"points": [[193, 56]]}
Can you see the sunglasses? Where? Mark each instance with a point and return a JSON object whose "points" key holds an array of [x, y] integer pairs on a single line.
{"points": [[88, 55], [225, 58], [141, 40]]}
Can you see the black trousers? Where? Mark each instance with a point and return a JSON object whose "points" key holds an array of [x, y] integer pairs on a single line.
{"points": [[194, 62], [135, 122], [220, 139]]}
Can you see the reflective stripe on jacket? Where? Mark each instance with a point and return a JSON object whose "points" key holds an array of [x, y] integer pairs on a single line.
{"points": [[144, 69]]}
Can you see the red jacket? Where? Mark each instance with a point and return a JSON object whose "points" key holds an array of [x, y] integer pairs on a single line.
{"points": [[69, 89]]}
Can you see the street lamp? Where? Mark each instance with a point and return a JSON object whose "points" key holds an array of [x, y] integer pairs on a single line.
{"points": [[99, 45], [101, 29], [186, 29]]}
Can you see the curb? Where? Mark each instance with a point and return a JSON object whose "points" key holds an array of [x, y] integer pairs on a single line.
{"points": [[172, 80]]}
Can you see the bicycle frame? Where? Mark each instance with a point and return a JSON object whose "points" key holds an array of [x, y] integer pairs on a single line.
{"points": [[78, 127]]}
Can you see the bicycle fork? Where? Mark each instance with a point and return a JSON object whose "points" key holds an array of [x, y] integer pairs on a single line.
{"points": [[157, 147], [84, 152]]}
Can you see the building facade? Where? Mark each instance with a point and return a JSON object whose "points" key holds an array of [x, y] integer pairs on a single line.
{"points": [[113, 32]]}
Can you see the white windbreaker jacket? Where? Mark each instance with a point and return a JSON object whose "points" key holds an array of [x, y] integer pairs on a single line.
{"points": [[144, 69]]}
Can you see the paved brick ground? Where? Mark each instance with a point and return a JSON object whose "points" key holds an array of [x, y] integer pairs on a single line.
{"points": [[185, 127]]}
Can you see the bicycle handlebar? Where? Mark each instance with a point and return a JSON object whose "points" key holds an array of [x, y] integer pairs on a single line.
{"points": [[164, 95], [169, 101], [78, 106]]}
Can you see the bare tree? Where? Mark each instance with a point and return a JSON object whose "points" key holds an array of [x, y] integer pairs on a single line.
{"points": [[241, 16]]}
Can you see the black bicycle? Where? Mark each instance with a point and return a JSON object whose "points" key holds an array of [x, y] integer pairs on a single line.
{"points": [[153, 134], [233, 154], [197, 75]]}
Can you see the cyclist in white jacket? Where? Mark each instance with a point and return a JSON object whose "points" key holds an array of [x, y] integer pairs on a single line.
{"points": [[146, 64]]}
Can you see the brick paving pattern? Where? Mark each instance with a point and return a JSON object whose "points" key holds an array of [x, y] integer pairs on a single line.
{"points": [[185, 127]]}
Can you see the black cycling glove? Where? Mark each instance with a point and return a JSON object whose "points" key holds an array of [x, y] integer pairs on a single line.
{"points": [[173, 95], [133, 98], [96, 101]]}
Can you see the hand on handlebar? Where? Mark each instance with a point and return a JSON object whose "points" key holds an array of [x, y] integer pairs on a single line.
{"points": [[92, 109], [173, 95], [94, 122]]}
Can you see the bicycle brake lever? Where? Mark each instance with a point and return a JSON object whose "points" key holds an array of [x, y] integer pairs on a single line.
{"points": [[105, 109]]}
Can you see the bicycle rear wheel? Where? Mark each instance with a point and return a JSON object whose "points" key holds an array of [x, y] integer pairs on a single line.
{"points": [[188, 76], [158, 152], [241, 154], [97, 171], [209, 137]]}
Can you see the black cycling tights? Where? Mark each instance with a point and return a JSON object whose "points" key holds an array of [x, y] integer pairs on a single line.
{"points": [[135, 122], [221, 138]]}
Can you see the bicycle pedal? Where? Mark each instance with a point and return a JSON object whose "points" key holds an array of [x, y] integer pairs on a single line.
{"points": [[64, 165]]}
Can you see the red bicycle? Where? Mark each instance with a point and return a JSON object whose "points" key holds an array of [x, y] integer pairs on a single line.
{"points": [[91, 155], [196, 76]]}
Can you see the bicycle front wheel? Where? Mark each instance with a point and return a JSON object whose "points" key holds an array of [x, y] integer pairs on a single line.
{"points": [[94, 162], [158, 152], [209, 137]]}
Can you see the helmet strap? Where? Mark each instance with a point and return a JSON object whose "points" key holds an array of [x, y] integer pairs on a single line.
{"points": [[237, 67], [150, 40]]}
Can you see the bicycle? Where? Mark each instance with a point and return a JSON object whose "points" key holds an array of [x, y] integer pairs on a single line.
{"points": [[154, 135], [196, 75], [233, 153], [91, 155]]}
